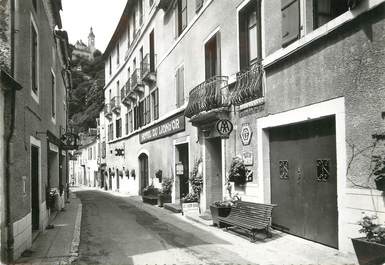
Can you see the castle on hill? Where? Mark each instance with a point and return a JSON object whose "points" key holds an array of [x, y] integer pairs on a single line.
{"points": [[83, 50]]}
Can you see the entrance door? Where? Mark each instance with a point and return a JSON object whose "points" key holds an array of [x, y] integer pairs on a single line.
{"points": [[214, 185], [117, 179], [304, 180], [143, 168], [183, 179], [35, 186]]}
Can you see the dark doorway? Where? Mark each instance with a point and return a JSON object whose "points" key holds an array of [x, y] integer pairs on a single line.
{"points": [[182, 157], [35, 186], [117, 179], [143, 171], [304, 180]]}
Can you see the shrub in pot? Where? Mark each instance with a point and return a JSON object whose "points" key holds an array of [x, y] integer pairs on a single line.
{"points": [[150, 194], [370, 250], [237, 172], [158, 175], [165, 192], [220, 209]]}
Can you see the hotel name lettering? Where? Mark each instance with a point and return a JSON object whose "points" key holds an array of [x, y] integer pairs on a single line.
{"points": [[167, 127]]}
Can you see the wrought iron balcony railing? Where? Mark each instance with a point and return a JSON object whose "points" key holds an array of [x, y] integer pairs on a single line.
{"points": [[136, 81], [107, 110], [148, 68], [124, 93], [209, 95], [248, 86], [115, 104]]}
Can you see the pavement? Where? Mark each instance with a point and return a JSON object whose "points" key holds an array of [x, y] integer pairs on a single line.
{"points": [[59, 245], [118, 228]]}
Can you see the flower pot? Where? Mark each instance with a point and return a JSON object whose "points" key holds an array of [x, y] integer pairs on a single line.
{"points": [[369, 253], [380, 183], [163, 198], [218, 212]]}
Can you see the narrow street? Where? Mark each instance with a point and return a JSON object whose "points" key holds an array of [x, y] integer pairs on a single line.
{"points": [[115, 231]]}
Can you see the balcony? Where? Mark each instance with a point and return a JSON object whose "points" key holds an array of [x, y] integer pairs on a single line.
{"points": [[115, 105], [248, 86], [136, 81], [208, 100], [107, 111], [148, 68]]}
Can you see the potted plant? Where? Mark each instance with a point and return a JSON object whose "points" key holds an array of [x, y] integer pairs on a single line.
{"points": [[371, 248], [190, 203], [379, 171], [237, 172], [150, 194], [158, 175], [220, 209], [165, 192]]}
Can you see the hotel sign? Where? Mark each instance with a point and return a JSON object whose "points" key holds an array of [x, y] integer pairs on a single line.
{"points": [[167, 127]]}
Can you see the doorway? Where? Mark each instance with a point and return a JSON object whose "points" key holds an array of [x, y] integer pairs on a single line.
{"points": [[303, 172], [182, 156], [214, 185], [35, 186], [117, 179], [143, 172]]}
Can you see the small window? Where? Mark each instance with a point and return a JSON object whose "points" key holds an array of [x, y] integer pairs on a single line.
{"points": [[212, 56], [179, 85], [53, 95], [118, 125], [155, 104], [326, 10], [34, 60], [181, 16], [117, 53], [34, 4], [110, 65]]}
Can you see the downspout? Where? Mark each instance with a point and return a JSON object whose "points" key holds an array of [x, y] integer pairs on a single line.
{"points": [[10, 96]]}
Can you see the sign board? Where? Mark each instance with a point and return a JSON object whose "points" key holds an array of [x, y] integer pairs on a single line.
{"points": [[224, 127], [179, 168], [164, 128], [247, 157], [246, 134], [119, 152], [53, 148], [190, 208]]}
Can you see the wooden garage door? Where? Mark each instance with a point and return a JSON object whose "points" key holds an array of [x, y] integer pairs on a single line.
{"points": [[304, 180]]}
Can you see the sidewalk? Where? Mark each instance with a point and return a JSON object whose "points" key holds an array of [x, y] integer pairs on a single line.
{"points": [[60, 244], [282, 248]]}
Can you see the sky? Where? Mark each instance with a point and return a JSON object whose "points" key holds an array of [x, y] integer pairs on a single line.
{"points": [[103, 16]]}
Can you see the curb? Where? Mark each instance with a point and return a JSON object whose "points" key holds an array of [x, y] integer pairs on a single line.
{"points": [[74, 253]]}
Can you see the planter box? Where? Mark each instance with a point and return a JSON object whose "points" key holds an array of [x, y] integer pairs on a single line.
{"points": [[369, 253], [151, 199], [162, 199], [190, 208], [218, 211]]}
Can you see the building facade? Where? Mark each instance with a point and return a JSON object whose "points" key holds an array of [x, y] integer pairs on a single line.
{"points": [[35, 119], [297, 79], [83, 50]]}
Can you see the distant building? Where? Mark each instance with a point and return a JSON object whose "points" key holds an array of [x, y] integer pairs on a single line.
{"points": [[83, 50]]}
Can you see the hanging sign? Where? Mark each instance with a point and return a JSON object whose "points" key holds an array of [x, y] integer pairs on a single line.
{"points": [[179, 168], [69, 141], [224, 127], [247, 157], [246, 134]]}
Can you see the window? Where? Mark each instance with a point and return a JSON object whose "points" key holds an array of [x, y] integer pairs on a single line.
{"points": [[155, 104], [179, 85], [117, 53], [90, 153], [117, 90], [249, 34], [326, 10], [318, 13], [104, 150], [110, 132], [180, 17], [131, 121], [136, 117], [110, 65], [141, 114], [34, 60], [126, 124], [53, 95], [128, 35], [212, 56], [134, 22], [140, 12], [147, 110], [34, 3], [118, 124]]}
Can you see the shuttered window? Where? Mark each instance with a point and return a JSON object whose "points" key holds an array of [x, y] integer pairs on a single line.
{"points": [[179, 84], [180, 17], [155, 104], [290, 21]]}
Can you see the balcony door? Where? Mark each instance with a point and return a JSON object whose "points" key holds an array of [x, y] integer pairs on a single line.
{"points": [[152, 52], [213, 56]]}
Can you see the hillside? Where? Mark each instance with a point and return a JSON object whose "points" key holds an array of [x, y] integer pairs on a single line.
{"points": [[87, 97]]}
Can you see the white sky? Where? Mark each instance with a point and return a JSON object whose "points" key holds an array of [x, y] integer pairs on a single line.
{"points": [[79, 15]]}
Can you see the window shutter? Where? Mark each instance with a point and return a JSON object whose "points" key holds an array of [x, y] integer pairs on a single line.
{"points": [[290, 21], [181, 86], [198, 5], [176, 21], [177, 88]]}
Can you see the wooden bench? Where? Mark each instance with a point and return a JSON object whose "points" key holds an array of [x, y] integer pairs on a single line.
{"points": [[249, 216]]}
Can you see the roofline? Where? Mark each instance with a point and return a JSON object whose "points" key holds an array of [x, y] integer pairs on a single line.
{"points": [[117, 33]]}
